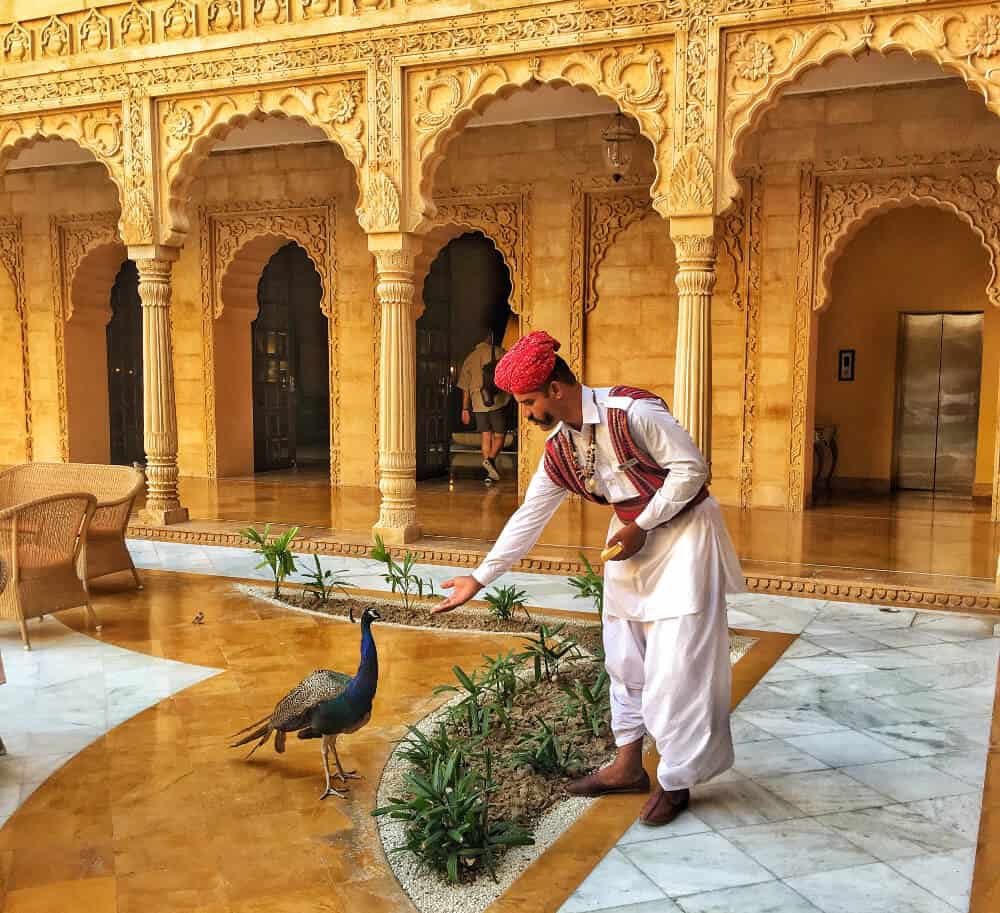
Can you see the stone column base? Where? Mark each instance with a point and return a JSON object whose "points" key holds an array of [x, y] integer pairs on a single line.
{"points": [[163, 517], [398, 535]]}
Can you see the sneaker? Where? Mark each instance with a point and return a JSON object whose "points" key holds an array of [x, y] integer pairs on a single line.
{"points": [[491, 470]]}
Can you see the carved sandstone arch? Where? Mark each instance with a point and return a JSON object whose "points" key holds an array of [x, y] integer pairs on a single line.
{"points": [[760, 63], [15, 423], [845, 207], [98, 130], [237, 244], [503, 214], [441, 100], [190, 127]]}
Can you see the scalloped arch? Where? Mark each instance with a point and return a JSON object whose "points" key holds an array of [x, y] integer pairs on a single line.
{"points": [[743, 112]]}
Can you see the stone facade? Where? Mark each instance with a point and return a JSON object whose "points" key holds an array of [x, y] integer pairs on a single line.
{"points": [[702, 274]]}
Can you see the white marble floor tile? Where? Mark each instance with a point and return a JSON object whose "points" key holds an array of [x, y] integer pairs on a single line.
{"points": [[865, 713], [834, 664], [822, 792], [802, 649], [959, 814], [946, 875], [663, 905], [614, 882], [745, 731], [840, 749], [972, 672], [847, 643], [972, 729], [904, 637], [767, 897], [900, 831], [922, 737], [785, 722], [943, 653], [930, 705], [890, 659], [701, 862], [907, 781], [738, 801], [773, 757], [799, 847], [969, 766], [867, 889], [681, 826]]}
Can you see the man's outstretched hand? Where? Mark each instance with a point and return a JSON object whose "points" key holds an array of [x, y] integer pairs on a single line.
{"points": [[464, 589], [631, 536]]}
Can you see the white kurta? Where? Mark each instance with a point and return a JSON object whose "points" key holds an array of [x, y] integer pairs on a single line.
{"points": [[665, 634]]}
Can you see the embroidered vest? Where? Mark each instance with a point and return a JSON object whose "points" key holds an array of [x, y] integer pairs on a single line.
{"points": [[641, 469]]}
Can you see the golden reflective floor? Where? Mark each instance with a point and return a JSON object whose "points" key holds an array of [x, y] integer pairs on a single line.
{"points": [[908, 538], [159, 816]]}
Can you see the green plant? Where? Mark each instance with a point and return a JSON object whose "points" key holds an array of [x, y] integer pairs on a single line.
{"points": [[547, 651], [468, 709], [500, 677], [449, 827], [401, 577], [422, 750], [591, 702], [277, 553], [543, 751], [589, 585], [504, 601], [322, 583]]}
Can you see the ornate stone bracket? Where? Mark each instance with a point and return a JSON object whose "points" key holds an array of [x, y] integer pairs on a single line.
{"points": [[637, 77], [12, 259], [760, 62], [190, 126], [229, 234]]}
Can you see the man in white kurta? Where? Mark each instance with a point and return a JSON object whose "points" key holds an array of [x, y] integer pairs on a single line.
{"points": [[666, 639]]}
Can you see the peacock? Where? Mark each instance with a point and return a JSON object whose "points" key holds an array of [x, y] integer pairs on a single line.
{"points": [[324, 705]]}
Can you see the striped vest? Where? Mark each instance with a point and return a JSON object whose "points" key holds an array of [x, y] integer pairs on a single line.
{"points": [[642, 470]]}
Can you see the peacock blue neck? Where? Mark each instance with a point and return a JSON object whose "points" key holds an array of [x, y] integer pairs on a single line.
{"points": [[366, 681]]}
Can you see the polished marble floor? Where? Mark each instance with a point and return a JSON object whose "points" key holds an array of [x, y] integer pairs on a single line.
{"points": [[857, 787], [912, 535]]}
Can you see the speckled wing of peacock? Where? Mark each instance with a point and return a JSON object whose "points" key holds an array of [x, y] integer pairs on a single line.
{"points": [[293, 710]]}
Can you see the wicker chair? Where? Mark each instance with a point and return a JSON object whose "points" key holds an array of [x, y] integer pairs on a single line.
{"points": [[43, 545], [115, 487]]}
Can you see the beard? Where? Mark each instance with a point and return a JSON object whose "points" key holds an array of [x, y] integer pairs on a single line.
{"points": [[547, 421]]}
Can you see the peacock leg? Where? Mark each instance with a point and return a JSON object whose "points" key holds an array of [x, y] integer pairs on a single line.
{"points": [[344, 775], [329, 791]]}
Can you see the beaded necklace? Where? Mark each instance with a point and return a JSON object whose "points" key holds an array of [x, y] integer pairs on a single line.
{"points": [[587, 471]]}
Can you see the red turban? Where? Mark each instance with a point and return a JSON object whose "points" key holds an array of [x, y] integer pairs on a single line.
{"points": [[527, 366]]}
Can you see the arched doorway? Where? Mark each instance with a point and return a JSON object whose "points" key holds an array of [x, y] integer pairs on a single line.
{"points": [[907, 360], [290, 353], [466, 297], [124, 345], [14, 443]]}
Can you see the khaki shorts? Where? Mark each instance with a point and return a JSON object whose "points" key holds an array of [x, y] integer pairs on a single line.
{"points": [[494, 421]]}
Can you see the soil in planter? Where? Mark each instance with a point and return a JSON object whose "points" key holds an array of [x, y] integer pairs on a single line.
{"points": [[587, 634]]}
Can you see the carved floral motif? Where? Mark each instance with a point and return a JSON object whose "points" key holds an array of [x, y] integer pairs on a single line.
{"points": [[692, 184], [17, 44], [984, 37], [136, 25], [224, 15], [95, 32], [12, 260], [754, 59], [179, 20], [55, 38]]}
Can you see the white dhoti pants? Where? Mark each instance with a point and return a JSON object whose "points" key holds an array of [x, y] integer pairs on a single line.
{"points": [[671, 678]]}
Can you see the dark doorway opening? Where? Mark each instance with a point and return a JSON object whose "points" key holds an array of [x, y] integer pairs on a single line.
{"points": [[124, 340], [291, 385], [467, 290]]}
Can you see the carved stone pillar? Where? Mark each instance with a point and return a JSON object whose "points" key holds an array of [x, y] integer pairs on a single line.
{"points": [[397, 457], [159, 407], [692, 397]]}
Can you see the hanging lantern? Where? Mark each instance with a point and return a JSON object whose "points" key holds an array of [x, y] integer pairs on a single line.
{"points": [[619, 145]]}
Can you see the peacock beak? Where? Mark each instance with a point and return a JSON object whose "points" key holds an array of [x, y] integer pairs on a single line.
{"points": [[350, 613]]}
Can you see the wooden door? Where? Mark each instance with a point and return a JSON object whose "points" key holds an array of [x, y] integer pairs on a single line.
{"points": [[273, 375], [124, 341], [434, 373]]}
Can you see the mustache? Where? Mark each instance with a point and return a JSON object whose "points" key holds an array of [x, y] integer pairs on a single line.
{"points": [[547, 420]]}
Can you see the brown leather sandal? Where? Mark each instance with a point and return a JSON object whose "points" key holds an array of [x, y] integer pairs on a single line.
{"points": [[591, 786]]}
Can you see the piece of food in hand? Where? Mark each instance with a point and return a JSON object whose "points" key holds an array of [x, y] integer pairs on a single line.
{"points": [[612, 551]]}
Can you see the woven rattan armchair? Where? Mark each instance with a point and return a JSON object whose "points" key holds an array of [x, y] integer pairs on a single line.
{"points": [[42, 545], [115, 487]]}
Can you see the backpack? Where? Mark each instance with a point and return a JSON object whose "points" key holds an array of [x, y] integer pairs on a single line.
{"points": [[489, 389]]}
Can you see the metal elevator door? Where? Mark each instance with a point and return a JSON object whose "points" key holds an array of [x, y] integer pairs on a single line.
{"points": [[937, 415]]}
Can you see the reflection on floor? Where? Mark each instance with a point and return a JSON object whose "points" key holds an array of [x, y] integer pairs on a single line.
{"points": [[857, 786], [913, 536]]}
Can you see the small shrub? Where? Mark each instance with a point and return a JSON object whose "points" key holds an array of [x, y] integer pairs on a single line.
{"points": [[589, 585], [504, 601], [468, 710], [591, 703], [401, 577], [423, 750], [547, 651], [543, 751], [500, 677], [276, 553], [449, 827], [323, 583]]}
